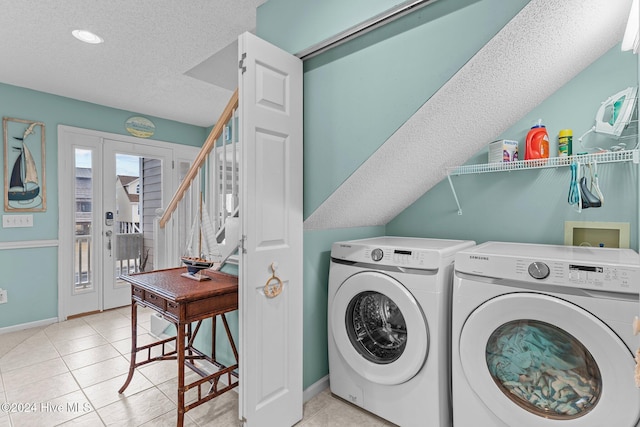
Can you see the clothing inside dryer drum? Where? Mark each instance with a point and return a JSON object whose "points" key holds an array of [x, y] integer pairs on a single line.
{"points": [[376, 327], [543, 369]]}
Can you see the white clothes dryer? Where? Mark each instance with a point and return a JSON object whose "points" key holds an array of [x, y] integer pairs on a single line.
{"points": [[389, 327], [543, 337]]}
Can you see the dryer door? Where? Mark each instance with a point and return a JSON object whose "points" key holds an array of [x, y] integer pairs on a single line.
{"points": [[537, 360], [379, 328]]}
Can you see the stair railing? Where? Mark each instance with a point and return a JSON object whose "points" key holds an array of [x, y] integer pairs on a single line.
{"points": [[208, 146], [215, 170]]}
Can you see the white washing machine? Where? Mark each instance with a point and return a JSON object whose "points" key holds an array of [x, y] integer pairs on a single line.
{"points": [[389, 327], [542, 336]]}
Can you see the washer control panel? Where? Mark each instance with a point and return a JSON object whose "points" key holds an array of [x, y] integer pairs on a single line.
{"points": [[603, 269], [588, 276], [598, 275]]}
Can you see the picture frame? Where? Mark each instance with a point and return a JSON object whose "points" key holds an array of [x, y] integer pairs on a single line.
{"points": [[25, 188]]}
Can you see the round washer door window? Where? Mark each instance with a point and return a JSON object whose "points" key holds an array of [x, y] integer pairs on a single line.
{"points": [[543, 369], [376, 327], [379, 328], [535, 359]]}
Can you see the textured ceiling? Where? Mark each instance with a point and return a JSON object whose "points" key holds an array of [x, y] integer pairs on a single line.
{"points": [[150, 46], [503, 82]]}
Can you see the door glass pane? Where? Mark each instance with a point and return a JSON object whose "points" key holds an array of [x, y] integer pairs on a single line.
{"points": [[376, 327], [128, 247], [83, 196], [138, 195], [543, 369]]}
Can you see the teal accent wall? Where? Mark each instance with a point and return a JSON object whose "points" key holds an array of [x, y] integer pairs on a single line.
{"points": [[531, 206], [31, 275], [358, 94], [297, 25]]}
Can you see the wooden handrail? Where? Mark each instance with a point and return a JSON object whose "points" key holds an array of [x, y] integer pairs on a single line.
{"points": [[209, 144]]}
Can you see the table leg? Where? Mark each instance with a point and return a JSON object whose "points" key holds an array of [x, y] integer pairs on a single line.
{"points": [[180, 349], [213, 337], [134, 344]]}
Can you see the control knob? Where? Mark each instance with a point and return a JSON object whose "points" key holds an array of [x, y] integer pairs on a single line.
{"points": [[376, 254], [539, 270]]}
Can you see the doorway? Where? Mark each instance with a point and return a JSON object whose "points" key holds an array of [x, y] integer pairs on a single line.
{"points": [[107, 218]]}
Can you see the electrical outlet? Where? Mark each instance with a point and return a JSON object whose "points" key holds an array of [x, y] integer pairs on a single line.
{"points": [[3, 296]]}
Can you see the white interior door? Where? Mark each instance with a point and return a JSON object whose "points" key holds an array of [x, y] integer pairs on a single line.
{"points": [[129, 179], [270, 105]]}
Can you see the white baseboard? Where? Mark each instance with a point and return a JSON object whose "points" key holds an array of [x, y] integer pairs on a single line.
{"points": [[316, 388], [37, 323]]}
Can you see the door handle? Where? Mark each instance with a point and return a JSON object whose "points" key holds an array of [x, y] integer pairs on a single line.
{"points": [[108, 233]]}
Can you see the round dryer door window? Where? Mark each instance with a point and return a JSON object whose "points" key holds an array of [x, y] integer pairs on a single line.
{"points": [[379, 328], [535, 359]]}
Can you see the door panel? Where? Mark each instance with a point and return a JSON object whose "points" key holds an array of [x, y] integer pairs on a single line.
{"points": [[271, 150], [271, 214]]}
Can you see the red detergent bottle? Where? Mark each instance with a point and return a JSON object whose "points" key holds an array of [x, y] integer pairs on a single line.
{"points": [[537, 144]]}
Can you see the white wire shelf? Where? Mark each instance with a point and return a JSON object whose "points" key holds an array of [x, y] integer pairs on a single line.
{"points": [[552, 162]]}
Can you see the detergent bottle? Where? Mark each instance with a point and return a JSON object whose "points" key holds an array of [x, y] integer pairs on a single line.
{"points": [[537, 143]]}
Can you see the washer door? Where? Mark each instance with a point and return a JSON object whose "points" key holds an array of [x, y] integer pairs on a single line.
{"points": [[537, 360], [379, 328]]}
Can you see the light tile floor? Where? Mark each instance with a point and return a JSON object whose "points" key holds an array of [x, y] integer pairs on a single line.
{"points": [[69, 373]]}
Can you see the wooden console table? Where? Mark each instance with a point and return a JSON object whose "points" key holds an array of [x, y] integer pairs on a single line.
{"points": [[183, 301]]}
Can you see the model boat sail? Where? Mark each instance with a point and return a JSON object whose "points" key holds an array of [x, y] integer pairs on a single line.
{"points": [[23, 184], [203, 250]]}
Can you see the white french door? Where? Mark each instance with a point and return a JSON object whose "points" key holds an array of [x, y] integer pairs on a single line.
{"points": [[109, 191], [133, 181]]}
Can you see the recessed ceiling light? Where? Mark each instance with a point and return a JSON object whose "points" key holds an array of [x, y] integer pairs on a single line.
{"points": [[87, 36]]}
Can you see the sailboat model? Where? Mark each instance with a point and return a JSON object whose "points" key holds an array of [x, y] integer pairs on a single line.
{"points": [[23, 184], [208, 253], [198, 259]]}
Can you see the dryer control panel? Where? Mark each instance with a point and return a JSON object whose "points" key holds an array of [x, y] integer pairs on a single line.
{"points": [[388, 256], [399, 257], [400, 252]]}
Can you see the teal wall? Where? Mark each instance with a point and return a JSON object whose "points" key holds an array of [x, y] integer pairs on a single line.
{"points": [[531, 206], [31, 275], [360, 93], [297, 25]]}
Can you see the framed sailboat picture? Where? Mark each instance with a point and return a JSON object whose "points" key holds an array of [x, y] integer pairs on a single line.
{"points": [[24, 166]]}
